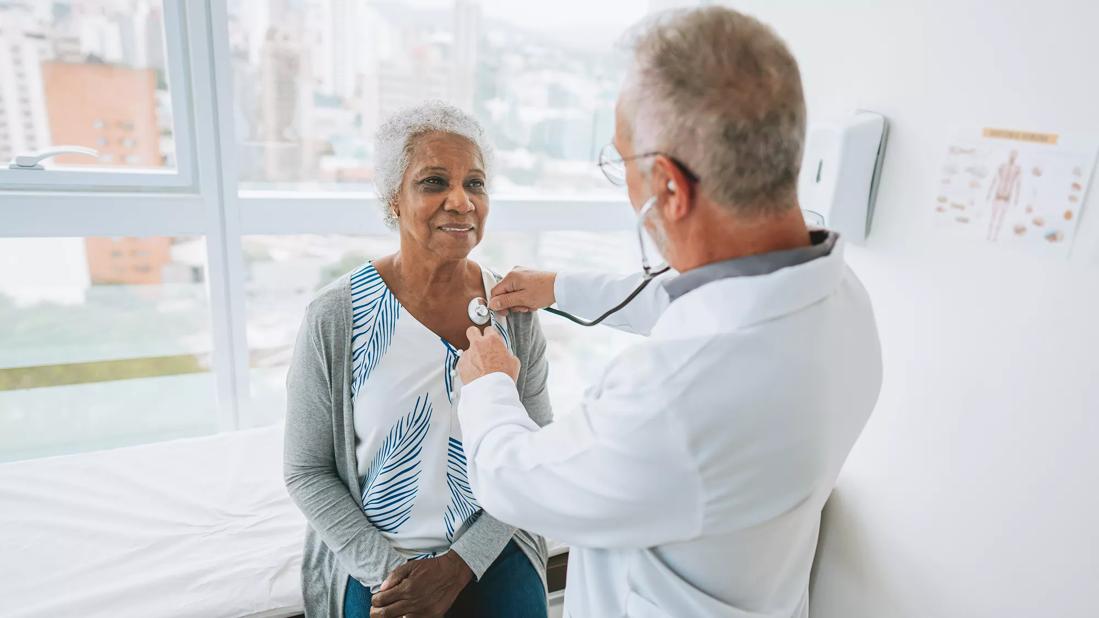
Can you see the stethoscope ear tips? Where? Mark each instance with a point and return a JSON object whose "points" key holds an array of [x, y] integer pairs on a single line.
{"points": [[479, 312]]}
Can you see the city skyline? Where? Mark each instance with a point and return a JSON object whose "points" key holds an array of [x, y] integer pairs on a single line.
{"points": [[313, 78], [56, 58]]}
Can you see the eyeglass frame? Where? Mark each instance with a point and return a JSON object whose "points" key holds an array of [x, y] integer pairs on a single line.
{"points": [[605, 161]]}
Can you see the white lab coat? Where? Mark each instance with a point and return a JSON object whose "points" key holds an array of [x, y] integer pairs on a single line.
{"points": [[691, 479]]}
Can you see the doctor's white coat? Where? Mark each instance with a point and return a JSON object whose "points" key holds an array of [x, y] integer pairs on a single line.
{"points": [[691, 480]]}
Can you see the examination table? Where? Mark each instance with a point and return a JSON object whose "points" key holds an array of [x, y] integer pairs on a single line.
{"points": [[198, 527]]}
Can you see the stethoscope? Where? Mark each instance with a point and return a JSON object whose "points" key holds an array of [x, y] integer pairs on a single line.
{"points": [[480, 314]]}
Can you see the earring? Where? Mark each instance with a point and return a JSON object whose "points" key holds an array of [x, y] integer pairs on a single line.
{"points": [[671, 186]]}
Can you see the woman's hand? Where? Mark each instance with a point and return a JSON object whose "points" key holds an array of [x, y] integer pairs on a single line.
{"points": [[422, 587], [487, 354]]}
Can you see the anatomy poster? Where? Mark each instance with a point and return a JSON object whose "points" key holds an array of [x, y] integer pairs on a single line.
{"points": [[1017, 189]]}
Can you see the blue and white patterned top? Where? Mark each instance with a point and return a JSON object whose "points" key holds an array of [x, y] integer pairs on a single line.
{"points": [[404, 391]]}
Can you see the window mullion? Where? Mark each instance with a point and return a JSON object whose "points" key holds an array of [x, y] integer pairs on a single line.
{"points": [[216, 174]]}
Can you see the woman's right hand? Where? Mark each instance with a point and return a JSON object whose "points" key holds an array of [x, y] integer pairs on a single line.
{"points": [[425, 587], [523, 290]]}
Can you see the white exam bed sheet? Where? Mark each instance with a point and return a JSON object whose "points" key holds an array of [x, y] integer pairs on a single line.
{"points": [[194, 527]]}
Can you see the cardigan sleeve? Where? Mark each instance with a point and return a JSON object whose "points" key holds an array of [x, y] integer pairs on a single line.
{"points": [[309, 459]]}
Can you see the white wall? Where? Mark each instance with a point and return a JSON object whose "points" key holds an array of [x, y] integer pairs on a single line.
{"points": [[974, 490]]}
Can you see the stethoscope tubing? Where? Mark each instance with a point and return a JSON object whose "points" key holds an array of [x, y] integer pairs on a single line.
{"points": [[649, 276]]}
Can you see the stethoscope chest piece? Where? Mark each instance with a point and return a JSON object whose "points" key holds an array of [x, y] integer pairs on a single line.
{"points": [[478, 311]]}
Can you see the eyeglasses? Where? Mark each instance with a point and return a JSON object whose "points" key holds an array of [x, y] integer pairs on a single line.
{"points": [[614, 164]]}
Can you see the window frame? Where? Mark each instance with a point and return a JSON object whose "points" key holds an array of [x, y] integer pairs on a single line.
{"points": [[91, 179]]}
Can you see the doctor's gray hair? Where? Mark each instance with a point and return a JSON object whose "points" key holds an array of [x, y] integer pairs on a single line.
{"points": [[395, 143], [719, 91]]}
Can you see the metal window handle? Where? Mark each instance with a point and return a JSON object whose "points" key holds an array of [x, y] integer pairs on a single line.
{"points": [[34, 160]]}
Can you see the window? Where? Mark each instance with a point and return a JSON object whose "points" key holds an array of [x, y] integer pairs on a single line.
{"points": [[282, 275], [83, 69], [102, 347], [543, 87], [105, 73]]}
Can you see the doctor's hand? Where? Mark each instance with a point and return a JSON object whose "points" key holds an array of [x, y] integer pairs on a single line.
{"points": [[422, 587], [487, 354], [523, 290]]}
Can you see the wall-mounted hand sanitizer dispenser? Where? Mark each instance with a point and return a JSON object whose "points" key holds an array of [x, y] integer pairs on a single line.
{"points": [[840, 172]]}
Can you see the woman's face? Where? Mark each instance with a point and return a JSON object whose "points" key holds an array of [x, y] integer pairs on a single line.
{"points": [[443, 203]]}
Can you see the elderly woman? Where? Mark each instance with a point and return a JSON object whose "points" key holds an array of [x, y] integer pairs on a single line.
{"points": [[374, 455]]}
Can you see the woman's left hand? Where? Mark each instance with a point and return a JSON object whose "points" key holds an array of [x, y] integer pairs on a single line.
{"points": [[421, 587]]}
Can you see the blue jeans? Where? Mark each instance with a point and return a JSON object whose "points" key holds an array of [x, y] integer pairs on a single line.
{"points": [[510, 588]]}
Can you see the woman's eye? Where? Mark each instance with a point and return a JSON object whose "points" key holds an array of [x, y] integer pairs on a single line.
{"points": [[477, 184], [433, 182]]}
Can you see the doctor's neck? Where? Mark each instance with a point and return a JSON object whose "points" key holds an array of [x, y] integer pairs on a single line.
{"points": [[715, 233]]}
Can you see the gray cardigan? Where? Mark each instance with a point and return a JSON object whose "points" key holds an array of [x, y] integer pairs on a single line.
{"points": [[322, 475]]}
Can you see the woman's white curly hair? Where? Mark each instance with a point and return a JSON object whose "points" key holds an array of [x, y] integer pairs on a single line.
{"points": [[396, 140]]}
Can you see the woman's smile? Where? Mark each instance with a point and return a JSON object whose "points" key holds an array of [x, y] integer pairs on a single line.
{"points": [[457, 228]]}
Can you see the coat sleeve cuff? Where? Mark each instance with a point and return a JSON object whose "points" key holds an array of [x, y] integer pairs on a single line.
{"points": [[563, 286], [482, 543]]}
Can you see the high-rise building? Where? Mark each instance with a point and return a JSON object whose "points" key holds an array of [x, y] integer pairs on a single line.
{"points": [[132, 261], [281, 105], [335, 35], [426, 53], [102, 32], [286, 86], [421, 75], [106, 107], [23, 45], [150, 36], [467, 33]]}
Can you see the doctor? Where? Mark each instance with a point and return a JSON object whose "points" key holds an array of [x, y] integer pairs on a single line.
{"points": [[691, 479]]}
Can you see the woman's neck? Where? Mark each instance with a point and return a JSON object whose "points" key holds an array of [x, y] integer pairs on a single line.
{"points": [[422, 278]]}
